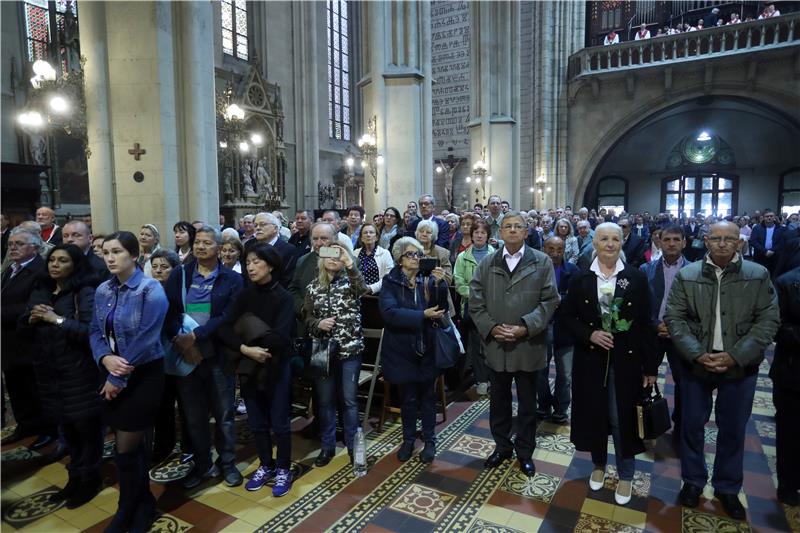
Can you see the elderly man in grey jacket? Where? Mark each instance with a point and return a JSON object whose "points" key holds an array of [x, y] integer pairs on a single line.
{"points": [[513, 295], [722, 313]]}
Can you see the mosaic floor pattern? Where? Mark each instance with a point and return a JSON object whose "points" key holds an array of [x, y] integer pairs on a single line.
{"points": [[454, 493]]}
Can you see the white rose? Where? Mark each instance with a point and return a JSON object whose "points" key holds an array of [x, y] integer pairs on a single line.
{"points": [[607, 289]]}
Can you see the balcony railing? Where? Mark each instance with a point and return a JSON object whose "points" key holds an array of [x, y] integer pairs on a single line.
{"points": [[776, 32]]}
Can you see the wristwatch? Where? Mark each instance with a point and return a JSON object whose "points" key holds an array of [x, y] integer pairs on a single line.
{"points": [[60, 320]]}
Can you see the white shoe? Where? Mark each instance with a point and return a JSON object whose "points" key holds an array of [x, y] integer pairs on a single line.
{"points": [[597, 479], [240, 408], [623, 493], [482, 389]]}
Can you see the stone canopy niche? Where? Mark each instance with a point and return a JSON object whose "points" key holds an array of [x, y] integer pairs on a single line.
{"points": [[251, 179]]}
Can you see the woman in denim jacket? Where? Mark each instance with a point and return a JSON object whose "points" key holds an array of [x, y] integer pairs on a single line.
{"points": [[125, 335]]}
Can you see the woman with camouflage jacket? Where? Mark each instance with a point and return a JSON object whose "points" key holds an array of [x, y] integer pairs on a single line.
{"points": [[332, 309]]}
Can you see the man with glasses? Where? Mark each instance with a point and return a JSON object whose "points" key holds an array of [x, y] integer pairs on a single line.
{"points": [[721, 315], [267, 231], [427, 203], [513, 296], [18, 281]]}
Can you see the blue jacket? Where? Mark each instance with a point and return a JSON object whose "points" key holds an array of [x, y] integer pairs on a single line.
{"points": [[654, 270], [405, 327], [141, 308], [443, 238], [758, 240], [226, 289], [562, 336]]}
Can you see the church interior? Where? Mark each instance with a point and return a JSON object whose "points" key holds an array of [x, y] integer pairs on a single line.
{"points": [[138, 116]]}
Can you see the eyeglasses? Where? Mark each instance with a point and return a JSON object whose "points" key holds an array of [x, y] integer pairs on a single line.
{"points": [[413, 255], [728, 240], [514, 226]]}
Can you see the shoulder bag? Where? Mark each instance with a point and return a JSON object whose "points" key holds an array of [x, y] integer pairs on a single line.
{"points": [[652, 414]]}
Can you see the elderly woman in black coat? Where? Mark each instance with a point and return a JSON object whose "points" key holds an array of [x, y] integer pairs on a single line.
{"points": [[59, 312], [609, 370], [409, 303]]}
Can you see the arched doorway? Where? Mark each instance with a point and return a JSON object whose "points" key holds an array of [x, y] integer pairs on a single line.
{"points": [[749, 146]]}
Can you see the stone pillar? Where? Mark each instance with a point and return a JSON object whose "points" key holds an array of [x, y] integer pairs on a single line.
{"points": [[494, 91], [396, 89], [557, 31], [150, 81], [306, 91]]}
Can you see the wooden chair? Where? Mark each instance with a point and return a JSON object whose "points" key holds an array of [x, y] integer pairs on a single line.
{"points": [[388, 408]]}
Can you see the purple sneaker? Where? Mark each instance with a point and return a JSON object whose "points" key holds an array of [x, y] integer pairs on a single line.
{"points": [[260, 478], [283, 482]]}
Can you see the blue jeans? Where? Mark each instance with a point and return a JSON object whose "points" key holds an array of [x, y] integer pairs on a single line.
{"points": [[625, 465], [418, 397], [208, 390], [340, 387], [733, 408], [545, 399], [268, 412]]}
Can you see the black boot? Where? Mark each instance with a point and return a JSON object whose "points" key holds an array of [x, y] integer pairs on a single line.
{"points": [[129, 487], [72, 486], [91, 484], [146, 503]]}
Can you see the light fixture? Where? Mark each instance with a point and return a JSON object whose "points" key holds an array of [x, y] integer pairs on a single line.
{"points": [[257, 139], [223, 144], [439, 169], [479, 171], [531, 189], [59, 104], [233, 111], [44, 73], [367, 155], [244, 147], [704, 136], [541, 187], [31, 119]]}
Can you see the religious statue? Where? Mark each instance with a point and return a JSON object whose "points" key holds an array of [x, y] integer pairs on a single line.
{"points": [[247, 181], [464, 203], [70, 38], [264, 181], [38, 149], [227, 186]]}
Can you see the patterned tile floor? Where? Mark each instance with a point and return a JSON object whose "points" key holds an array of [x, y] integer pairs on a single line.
{"points": [[453, 494]]}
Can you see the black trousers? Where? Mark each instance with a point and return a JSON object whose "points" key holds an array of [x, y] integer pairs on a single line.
{"points": [[85, 443], [787, 436], [500, 415], [23, 395], [165, 435]]}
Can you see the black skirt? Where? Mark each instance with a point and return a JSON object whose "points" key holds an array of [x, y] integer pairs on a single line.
{"points": [[136, 407]]}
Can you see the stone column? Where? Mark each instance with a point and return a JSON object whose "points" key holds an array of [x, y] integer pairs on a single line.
{"points": [[396, 89], [494, 93], [306, 92], [150, 81], [557, 31]]}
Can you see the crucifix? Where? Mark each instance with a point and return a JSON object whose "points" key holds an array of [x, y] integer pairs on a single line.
{"points": [[137, 152]]}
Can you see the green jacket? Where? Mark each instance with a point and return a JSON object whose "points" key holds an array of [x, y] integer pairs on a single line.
{"points": [[463, 271], [748, 310]]}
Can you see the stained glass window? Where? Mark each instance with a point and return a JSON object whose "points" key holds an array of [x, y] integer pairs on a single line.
{"points": [[234, 28], [338, 70], [37, 27]]}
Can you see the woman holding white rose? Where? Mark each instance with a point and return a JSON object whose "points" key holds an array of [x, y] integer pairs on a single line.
{"points": [[614, 359]]}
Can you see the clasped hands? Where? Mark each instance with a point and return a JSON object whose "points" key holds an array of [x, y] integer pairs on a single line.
{"points": [[43, 313], [116, 366], [185, 342], [718, 363], [508, 332]]}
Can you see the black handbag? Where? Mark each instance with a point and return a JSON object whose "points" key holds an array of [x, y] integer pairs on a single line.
{"points": [[323, 352], [652, 414]]}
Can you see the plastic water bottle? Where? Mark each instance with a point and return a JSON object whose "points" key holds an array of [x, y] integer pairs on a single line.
{"points": [[360, 454]]}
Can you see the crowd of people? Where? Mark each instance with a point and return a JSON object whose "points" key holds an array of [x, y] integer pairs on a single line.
{"points": [[712, 20], [603, 295]]}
